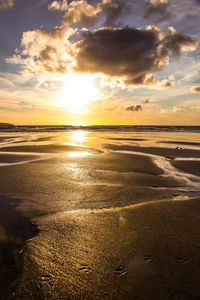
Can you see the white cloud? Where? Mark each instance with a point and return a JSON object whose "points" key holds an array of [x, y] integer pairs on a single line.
{"points": [[45, 51], [58, 5]]}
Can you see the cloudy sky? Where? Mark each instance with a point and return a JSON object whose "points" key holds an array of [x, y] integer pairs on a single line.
{"points": [[100, 62]]}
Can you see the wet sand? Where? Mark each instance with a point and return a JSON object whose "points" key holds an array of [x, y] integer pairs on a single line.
{"points": [[46, 148], [147, 252], [109, 225], [15, 229], [181, 143], [8, 158], [190, 166], [166, 152]]}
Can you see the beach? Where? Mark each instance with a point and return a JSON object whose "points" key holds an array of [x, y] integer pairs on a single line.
{"points": [[91, 214]]}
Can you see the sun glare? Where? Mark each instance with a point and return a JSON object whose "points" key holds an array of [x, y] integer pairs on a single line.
{"points": [[78, 154], [77, 92], [78, 136]]}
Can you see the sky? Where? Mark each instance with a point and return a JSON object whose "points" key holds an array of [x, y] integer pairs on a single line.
{"points": [[100, 62]]}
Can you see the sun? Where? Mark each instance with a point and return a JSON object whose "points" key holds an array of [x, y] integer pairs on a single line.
{"points": [[78, 91]]}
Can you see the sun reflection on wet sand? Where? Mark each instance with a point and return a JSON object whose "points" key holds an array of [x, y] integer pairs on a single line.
{"points": [[78, 154], [79, 136]]}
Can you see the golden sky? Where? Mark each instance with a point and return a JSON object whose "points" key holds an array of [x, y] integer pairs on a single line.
{"points": [[100, 62]]}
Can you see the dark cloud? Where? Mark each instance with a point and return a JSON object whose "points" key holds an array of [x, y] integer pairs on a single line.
{"points": [[118, 52], [134, 108], [114, 9], [195, 89], [143, 79], [128, 53], [178, 42], [157, 10]]}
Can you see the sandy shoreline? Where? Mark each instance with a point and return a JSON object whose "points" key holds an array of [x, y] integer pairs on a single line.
{"points": [[147, 248]]}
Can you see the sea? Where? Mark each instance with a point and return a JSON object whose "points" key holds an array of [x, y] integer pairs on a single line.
{"points": [[133, 128]]}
